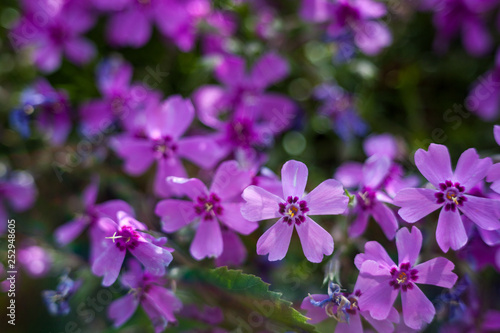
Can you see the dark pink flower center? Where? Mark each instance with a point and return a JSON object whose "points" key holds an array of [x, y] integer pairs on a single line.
{"points": [[164, 147], [293, 210], [125, 238], [451, 195], [58, 34], [208, 207], [347, 15], [365, 198], [353, 299], [403, 277], [240, 132]]}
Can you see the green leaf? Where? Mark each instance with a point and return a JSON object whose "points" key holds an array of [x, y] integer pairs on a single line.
{"points": [[247, 302]]}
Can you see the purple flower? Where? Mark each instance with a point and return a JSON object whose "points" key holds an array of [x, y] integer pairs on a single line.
{"points": [[58, 32], [466, 17], [132, 24], [339, 106], [370, 198], [209, 207], [49, 108], [292, 210], [494, 171], [35, 260], [450, 194], [57, 300], [484, 97], [158, 302], [122, 101], [89, 217], [127, 235], [18, 189], [344, 308], [254, 117], [380, 279], [354, 20], [163, 143]]}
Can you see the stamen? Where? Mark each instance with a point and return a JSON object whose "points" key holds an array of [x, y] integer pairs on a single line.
{"points": [[116, 237]]}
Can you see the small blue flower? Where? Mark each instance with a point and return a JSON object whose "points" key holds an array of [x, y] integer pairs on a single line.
{"points": [[57, 300]]}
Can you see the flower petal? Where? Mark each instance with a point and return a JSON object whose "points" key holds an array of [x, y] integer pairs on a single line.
{"points": [[154, 258], [175, 214], [203, 151], [484, 212], [275, 241], [167, 167], [108, 264], [349, 174], [165, 301], [438, 272], [450, 231], [375, 170], [416, 203], [385, 218], [358, 226], [417, 309], [260, 204], [294, 178], [207, 241], [328, 198], [408, 244], [230, 180], [171, 119], [471, 169], [315, 314], [269, 69], [122, 309], [434, 164], [354, 325], [66, 233], [234, 251], [374, 251], [190, 187], [496, 133], [315, 240], [231, 217], [137, 153]]}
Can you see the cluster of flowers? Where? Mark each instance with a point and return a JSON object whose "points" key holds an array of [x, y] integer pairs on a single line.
{"points": [[241, 120]]}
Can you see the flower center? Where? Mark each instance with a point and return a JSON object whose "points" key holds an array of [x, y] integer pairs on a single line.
{"points": [[293, 211], [208, 207], [164, 147], [240, 132], [125, 238], [451, 195], [403, 277], [365, 198]]}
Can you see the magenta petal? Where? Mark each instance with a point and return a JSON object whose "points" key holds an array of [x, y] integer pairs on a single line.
{"points": [[434, 164], [385, 218], [175, 214], [383, 145], [47, 58], [315, 10], [269, 69], [172, 118], [260, 204], [109, 263], [374, 251], [409, 245], [154, 258], [438, 272], [294, 178], [165, 301], [379, 298], [383, 326], [371, 37], [130, 27], [375, 170], [231, 70], [90, 193], [138, 153], [315, 240], [490, 237], [203, 151], [354, 325], [471, 169], [476, 38], [230, 180], [494, 173], [450, 231], [417, 309], [66, 233], [122, 309], [328, 198], [496, 133], [416, 203], [170, 167], [315, 314], [190, 187], [484, 212], [358, 226], [209, 104], [349, 174], [80, 50], [234, 251], [491, 321], [111, 208], [275, 241], [207, 241], [231, 217]]}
